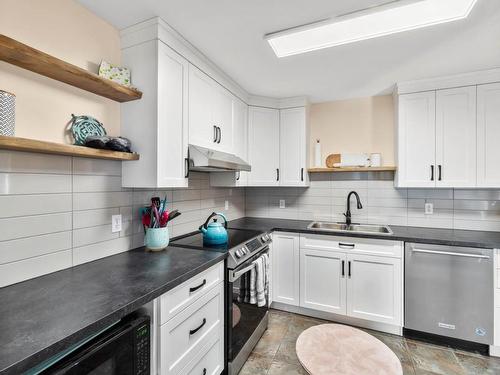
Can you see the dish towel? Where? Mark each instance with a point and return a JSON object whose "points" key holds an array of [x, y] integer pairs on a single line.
{"points": [[254, 285], [262, 279]]}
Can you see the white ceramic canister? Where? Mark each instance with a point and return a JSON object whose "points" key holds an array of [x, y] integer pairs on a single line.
{"points": [[375, 160], [7, 113]]}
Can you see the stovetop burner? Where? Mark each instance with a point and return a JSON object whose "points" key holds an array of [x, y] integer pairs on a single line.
{"points": [[242, 244], [235, 237]]}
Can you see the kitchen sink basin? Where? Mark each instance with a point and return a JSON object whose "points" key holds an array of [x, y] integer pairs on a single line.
{"points": [[354, 228]]}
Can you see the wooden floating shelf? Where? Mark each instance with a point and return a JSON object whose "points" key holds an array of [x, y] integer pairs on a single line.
{"points": [[19, 54], [352, 169], [31, 145]]}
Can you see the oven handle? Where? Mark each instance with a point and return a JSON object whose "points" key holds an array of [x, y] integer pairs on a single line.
{"points": [[235, 275]]}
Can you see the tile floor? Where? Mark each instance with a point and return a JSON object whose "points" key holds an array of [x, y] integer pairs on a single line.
{"points": [[275, 354]]}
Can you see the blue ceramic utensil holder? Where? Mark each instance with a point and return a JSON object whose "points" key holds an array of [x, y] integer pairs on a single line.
{"points": [[156, 239]]}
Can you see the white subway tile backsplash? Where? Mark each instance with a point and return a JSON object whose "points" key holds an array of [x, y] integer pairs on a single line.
{"points": [[14, 250], [92, 201], [479, 194], [382, 203], [15, 272], [28, 183], [25, 162], [99, 250], [387, 202], [438, 203], [89, 218], [431, 193], [430, 222], [56, 211], [27, 226], [22, 205], [493, 226], [97, 167], [186, 195], [127, 213], [84, 183], [90, 235]]}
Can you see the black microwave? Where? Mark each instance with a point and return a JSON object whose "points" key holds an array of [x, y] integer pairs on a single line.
{"points": [[123, 349]]}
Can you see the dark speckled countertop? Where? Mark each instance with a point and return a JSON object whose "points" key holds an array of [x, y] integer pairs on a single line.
{"points": [[43, 316], [451, 237]]}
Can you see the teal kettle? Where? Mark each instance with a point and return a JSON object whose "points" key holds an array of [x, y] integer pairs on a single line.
{"points": [[214, 233]]}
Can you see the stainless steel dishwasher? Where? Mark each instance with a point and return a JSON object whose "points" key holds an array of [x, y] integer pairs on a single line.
{"points": [[449, 291]]}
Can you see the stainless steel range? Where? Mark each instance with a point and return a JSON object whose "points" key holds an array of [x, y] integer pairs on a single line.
{"points": [[246, 321]]}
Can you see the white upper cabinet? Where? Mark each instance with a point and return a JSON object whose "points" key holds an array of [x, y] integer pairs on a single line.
{"points": [[210, 112], [456, 137], [240, 148], [448, 129], [240, 137], [437, 138], [277, 146], [156, 124], [263, 146], [293, 147], [488, 134], [417, 140], [223, 118]]}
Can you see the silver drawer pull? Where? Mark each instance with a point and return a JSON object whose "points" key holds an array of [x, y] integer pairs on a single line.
{"points": [[465, 255], [346, 245]]}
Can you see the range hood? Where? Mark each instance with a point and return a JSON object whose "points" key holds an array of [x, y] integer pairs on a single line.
{"points": [[203, 159]]}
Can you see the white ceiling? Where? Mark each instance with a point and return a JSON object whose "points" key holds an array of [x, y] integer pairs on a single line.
{"points": [[230, 33]]}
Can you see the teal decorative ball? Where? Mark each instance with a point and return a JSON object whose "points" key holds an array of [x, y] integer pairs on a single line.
{"points": [[83, 126]]}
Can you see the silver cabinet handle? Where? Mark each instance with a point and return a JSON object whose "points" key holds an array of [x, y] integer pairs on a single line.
{"points": [[465, 255], [346, 245]]}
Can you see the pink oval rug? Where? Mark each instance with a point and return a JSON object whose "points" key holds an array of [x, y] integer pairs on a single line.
{"points": [[343, 350]]}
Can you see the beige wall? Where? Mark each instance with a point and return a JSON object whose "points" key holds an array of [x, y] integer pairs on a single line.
{"points": [[353, 126], [64, 29]]}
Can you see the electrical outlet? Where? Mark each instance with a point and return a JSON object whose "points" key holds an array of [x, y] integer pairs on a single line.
{"points": [[429, 208], [282, 203], [116, 223], [226, 205]]}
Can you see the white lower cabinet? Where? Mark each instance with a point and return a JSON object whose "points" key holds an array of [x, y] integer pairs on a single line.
{"points": [[191, 333], [353, 277], [322, 280], [374, 288], [285, 268]]}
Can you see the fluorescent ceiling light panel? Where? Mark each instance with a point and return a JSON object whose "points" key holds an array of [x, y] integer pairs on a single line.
{"points": [[394, 17]]}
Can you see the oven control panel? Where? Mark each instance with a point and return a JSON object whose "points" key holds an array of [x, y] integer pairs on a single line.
{"points": [[246, 250]]}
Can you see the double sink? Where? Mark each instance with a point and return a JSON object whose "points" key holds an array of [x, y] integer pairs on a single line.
{"points": [[351, 228]]}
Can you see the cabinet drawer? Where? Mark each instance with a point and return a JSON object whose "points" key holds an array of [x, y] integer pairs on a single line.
{"points": [[185, 335], [352, 245], [183, 295], [210, 361]]}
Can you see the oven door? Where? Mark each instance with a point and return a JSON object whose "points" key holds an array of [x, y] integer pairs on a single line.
{"points": [[121, 350], [245, 318]]}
